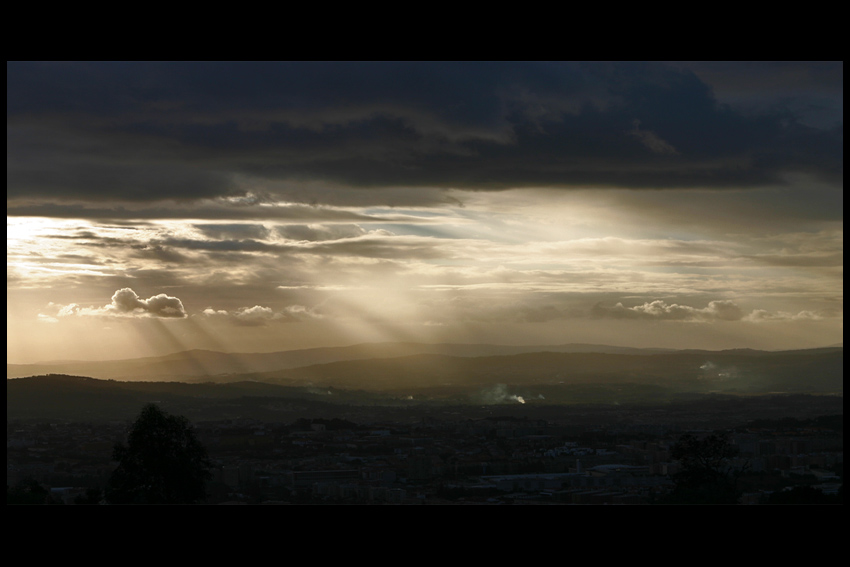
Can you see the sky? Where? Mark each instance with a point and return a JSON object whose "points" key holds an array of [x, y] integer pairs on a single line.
{"points": [[266, 206]]}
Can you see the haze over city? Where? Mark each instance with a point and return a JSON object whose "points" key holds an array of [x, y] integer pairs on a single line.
{"points": [[259, 207]]}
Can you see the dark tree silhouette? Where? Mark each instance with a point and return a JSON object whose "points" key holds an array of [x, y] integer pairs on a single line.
{"points": [[28, 491], [162, 463], [705, 477], [92, 496]]}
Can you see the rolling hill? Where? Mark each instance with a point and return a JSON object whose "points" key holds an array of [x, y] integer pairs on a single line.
{"points": [[194, 363], [399, 377]]}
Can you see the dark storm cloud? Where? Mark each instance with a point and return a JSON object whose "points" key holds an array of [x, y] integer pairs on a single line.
{"points": [[246, 245], [811, 91], [238, 231], [409, 248], [161, 254], [320, 232], [149, 131], [206, 211]]}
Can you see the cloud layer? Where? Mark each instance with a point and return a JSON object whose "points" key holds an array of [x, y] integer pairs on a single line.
{"points": [[276, 205]]}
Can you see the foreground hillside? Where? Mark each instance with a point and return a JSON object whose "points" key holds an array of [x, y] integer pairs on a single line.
{"points": [[80, 399]]}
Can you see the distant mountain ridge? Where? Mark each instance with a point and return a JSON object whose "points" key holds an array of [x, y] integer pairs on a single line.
{"points": [[547, 372], [210, 363], [532, 380], [361, 367], [816, 370]]}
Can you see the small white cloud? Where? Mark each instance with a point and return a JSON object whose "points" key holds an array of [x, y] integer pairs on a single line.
{"points": [[255, 316], [126, 303], [300, 312], [210, 312], [720, 310], [259, 315], [761, 315]]}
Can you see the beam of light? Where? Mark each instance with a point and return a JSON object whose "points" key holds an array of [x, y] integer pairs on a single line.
{"points": [[161, 338]]}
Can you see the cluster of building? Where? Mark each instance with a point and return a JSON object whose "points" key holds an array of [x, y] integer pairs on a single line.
{"points": [[434, 461], [493, 460]]}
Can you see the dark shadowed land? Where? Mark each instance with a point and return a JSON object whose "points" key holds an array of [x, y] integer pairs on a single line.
{"points": [[553, 427], [394, 375], [76, 398]]}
